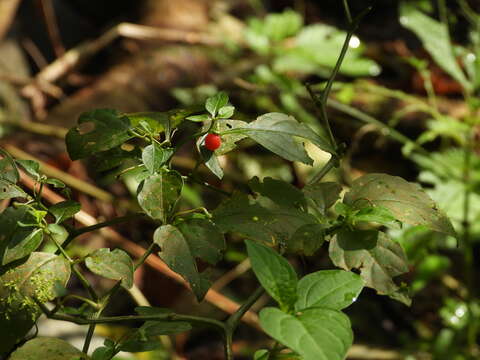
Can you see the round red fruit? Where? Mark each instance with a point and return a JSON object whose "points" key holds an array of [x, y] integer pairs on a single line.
{"points": [[213, 142]]}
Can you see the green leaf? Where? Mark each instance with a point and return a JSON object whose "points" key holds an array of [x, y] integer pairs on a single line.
{"points": [[154, 157], [199, 118], [97, 130], [159, 193], [141, 344], [211, 162], [435, 39], [151, 310], [47, 348], [178, 255], [204, 239], [103, 353], [56, 183], [110, 159], [115, 265], [9, 190], [216, 102], [229, 140], [378, 258], [280, 192], [273, 28], [249, 218], [31, 167], [315, 333], [407, 201], [306, 240], [376, 214], [323, 195], [8, 169], [272, 136], [226, 112], [331, 289], [277, 133], [315, 51], [275, 274], [37, 277], [64, 210], [261, 354], [17, 241]]}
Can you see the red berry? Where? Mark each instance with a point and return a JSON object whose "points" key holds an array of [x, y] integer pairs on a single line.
{"points": [[213, 142]]}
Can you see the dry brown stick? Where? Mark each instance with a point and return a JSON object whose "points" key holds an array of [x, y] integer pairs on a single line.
{"points": [[68, 179], [77, 55], [231, 275], [52, 27], [212, 296], [8, 8]]}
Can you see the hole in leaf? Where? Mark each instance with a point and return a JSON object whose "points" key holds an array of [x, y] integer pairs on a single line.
{"points": [[85, 128]]}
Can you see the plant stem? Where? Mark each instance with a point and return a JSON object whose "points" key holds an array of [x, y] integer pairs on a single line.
{"points": [[331, 163], [85, 283], [347, 11], [115, 319], [232, 322], [77, 232], [145, 255]]}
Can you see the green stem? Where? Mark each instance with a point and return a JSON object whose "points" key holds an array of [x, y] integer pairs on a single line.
{"points": [[331, 163], [347, 11], [77, 232], [208, 186], [322, 102], [145, 255], [116, 319], [234, 319], [85, 283]]}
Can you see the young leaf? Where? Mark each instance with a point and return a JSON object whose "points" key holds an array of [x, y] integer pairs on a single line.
{"points": [[31, 167], [275, 274], [216, 102], [55, 183], [406, 201], [154, 156], [57, 232], [211, 162], [37, 278], [97, 130], [226, 112], [47, 348], [273, 225], [435, 39], [159, 193], [17, 241], [378, 258], [198, 118], [306, 240], [115, 265], [178, 255], [280, 192], [315, 333], [331, 289], [323, 194], [64, 210], [376, 214]]}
